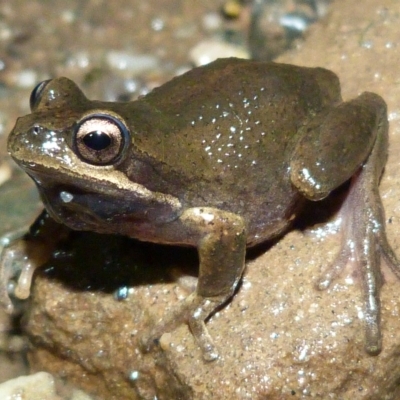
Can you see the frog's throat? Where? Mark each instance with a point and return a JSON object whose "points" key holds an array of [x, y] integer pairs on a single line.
{"points": [[104, 177]]}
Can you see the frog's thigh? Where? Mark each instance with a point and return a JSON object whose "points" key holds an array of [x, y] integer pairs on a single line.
{"points": [[335, 143]]}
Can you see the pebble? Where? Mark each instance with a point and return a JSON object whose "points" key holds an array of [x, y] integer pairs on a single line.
{"points": [[209, 50], [26, 78], [212, 21], [134, 63], [39, 386]]}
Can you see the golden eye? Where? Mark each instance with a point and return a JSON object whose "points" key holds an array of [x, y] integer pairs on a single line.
{"points": [[100, 139]]}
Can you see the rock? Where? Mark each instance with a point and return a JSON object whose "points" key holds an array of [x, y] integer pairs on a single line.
{"points": [[209, 50], [134, 63], [39, 386]]}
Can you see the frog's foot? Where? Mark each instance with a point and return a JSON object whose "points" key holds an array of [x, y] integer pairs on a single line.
{"points": [[364, 241], [194, 310], [24, 252], [24, 257], [6, 273], [8, 269]]}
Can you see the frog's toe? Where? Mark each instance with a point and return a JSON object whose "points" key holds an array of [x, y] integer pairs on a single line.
{"points": [[5, 301], [23, 288], [194, 310], [373, 336], [203, 338], [389, 255], [208, 349], [334, 269]]}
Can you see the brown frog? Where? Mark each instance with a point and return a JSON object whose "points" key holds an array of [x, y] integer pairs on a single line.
{"points": [[220, 158]]}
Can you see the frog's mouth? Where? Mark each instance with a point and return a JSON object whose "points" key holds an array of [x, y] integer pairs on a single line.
{"points": [[90, 211], [100, 180], [88, 204]]}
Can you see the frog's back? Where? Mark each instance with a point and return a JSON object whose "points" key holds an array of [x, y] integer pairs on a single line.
{"points": [[229, 128]]}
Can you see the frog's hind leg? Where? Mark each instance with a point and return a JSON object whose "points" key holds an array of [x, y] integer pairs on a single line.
{"points": [[364, 238], [364, 229]]}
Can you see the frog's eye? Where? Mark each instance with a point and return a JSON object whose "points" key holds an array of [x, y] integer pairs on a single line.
{"points": [[100, 139], [37, 94]]}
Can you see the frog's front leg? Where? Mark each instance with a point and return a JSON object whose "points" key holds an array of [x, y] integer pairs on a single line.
{"points": [[221, 243], [25, 254]]}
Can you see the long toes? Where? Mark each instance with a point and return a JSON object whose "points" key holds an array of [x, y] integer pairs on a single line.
{"points": [[6, 303]]}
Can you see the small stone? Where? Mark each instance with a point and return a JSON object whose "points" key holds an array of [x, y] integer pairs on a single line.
{"points": [[135, 63], [26, 78], [209, 50], [39, 386]]}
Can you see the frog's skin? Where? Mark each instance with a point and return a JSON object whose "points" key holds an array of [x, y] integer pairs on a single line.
{"points": [[221, 158]]}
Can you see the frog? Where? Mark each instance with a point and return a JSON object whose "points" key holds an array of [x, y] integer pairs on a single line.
{"points": [[221, 158]]}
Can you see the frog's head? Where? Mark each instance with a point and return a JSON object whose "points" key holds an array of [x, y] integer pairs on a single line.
{"points": [[66, 131], [76, 150]]}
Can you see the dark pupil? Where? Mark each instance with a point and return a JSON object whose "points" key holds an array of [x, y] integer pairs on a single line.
{"points": [[97, 140]]}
